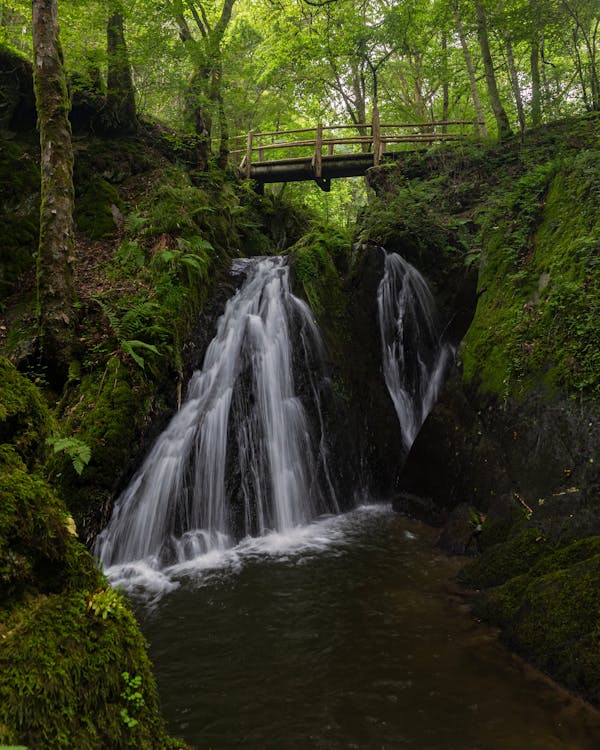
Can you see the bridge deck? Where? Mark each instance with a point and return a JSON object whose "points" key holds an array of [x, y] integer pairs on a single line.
{"points": [[303, 168], [374, 141]]}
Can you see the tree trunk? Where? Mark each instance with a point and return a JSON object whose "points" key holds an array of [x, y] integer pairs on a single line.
{"points": [[217, 96], [445, 82], [120, 97], [490, 77], [198, 114], [514, 76], [57, 242], [481, 127], [536, 88]]}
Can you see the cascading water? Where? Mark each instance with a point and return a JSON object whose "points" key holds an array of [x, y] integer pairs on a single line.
{"points": [[242, 456], [415, 359]]}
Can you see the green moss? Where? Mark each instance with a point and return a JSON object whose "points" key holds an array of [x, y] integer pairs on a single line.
{"points": [[554, 619], [506, 560], [567, 556], [409, 221], [94, 204], [65, 637], [37, 552], [19, 212], [24, 417], [110, 409], [61, 683], [318, 260], [536, 321]]}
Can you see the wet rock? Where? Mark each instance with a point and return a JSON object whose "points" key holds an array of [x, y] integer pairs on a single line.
{"points": [[461, 531], [420, 508], [454, 458]]}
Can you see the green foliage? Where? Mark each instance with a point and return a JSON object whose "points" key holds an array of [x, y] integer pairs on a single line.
{"points": [[133, 698], [320, 260], [106, 603], [75, 449], [138, 320], [107, 414], [178, 209], [408, 218]]}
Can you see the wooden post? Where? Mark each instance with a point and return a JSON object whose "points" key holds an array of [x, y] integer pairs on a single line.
{"points": [[375, 132], [248, 154], [330, 147], [318, 160], [261, 154]]}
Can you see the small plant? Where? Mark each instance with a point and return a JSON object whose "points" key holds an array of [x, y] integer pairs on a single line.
{"points": [[79, 452], [133, 698], [477, 520], [105, 603]]}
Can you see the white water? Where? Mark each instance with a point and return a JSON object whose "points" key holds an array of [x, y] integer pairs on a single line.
{"points": [[415, 359], [240, 458]]}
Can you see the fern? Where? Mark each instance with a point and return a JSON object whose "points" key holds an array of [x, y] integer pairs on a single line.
{"points": [[79, 452], [138, 323]]}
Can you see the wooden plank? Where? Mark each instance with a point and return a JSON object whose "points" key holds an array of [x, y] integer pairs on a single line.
{"points": [[248, 154], [284, 132], [425, 124], [318, 158]]}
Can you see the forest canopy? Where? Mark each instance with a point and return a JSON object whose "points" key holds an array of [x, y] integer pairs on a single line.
{"points": [[223, 67]]}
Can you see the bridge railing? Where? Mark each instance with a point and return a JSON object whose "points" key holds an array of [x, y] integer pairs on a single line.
{"points": [[326, 141]]}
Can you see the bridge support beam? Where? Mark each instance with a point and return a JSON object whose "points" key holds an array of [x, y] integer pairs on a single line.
{"points": [[324, 183]]}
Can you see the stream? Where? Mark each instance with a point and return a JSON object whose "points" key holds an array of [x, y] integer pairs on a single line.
{"points": [[346, 633]]}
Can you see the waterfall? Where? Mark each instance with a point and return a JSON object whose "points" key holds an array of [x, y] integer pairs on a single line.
{"points": [[243, 456], [415, 359]]}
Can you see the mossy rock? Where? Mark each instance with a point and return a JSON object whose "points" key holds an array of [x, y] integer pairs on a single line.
{"points": [[504, 561], [319, 261], [67, 666], [38, 552], [24, 417], [108, 415], [66, 638], [536, 321], [95, 207], [19, 212], [554, 619], [16, 83]]}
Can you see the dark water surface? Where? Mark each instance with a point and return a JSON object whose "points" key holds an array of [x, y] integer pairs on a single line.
{"points": [[347, 634]]}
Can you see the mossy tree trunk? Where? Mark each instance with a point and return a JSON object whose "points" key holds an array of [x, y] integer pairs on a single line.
{"points": [[490, 76], [481, 126], [120, 96], [57, 241], [204, 95]]}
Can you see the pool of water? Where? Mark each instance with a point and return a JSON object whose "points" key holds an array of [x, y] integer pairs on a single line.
{"points": [[349, 633]]}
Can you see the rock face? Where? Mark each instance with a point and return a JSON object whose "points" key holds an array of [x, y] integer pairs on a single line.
{"points": [[16, 84], [537, 459]]}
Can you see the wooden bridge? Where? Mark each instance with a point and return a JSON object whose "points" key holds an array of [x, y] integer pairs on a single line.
{"points": [[325, 152]]}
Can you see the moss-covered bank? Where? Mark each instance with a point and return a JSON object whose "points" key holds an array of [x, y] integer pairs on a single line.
{"points": [[71, 652]]}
